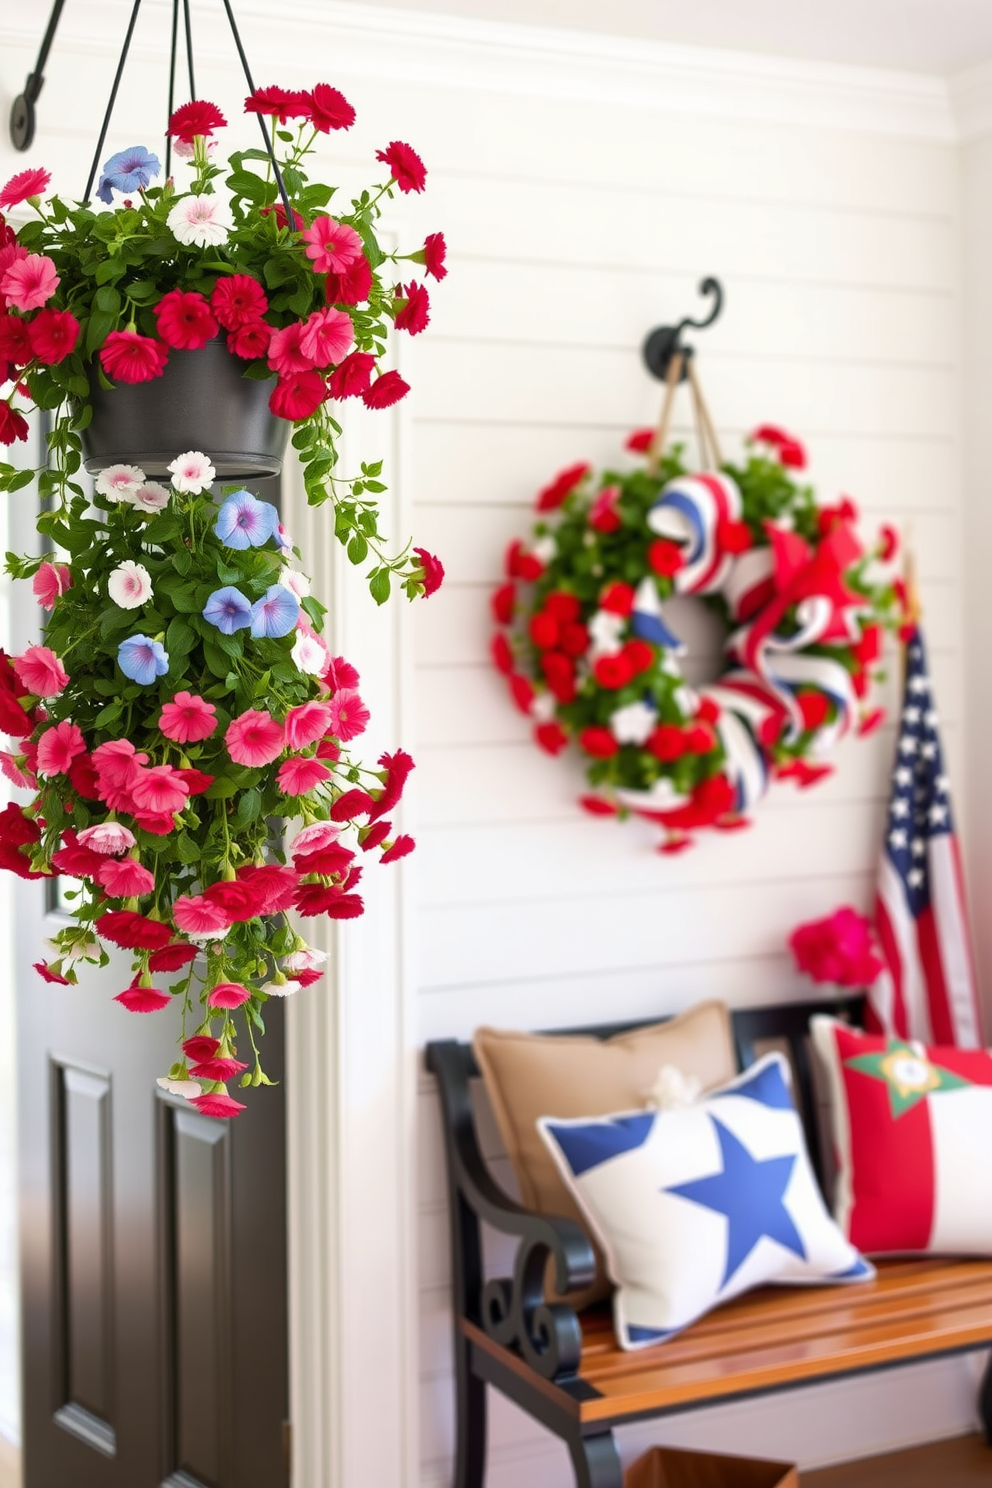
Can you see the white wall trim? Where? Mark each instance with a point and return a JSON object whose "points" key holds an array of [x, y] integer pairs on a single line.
{"points": [[545, 62], [971, 100]]}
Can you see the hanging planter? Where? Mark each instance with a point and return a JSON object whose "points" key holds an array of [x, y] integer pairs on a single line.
{"points": [[202, 399], [184, 729]]}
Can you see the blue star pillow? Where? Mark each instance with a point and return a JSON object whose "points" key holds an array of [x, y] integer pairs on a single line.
{"points": [[694, 1205]]}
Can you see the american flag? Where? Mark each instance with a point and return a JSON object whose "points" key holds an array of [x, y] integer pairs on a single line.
{"points": [[927, 990]]}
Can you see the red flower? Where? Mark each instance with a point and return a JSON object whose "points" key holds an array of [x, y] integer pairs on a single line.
{"points": [[351, 379], [617, 598], [667, 743], [596, 806], [83, 778], [700, 738], [408, 170], [161, 823], [193, 118], [237, 899], [400, 848], [329, 109], [603, 515], [129, 357], [133, 931], [15, 861], [869, 647], [598, 742], [251, 342], [561, 487], [218, 1103], [238, 300], [15, 339], [172, 958], [793, 454], [551, 737], [640, 441], [665, 558], [351, 286], [80, 862], [53, 334], [828, 516], [13, 425], [522, 565], [344, 906], [733, 537], [502, 603], [888, 545], [16, 827], [298, 395], [559, 672], [543, 630], [217, 1067], [278, 211], [640, 654], [385, 391], [273, 883], [562, 605], [227, 995], [352, 803], [184, 320], [279, 103], [770, 434], [870, 722], [196, 781], [837, 949], [48, 975], [315, 898], [397, 766], [369, 837], [307, 976], [433, 571], [613, 671], [502, 654], [200, 1045], [435, 250], [814, 707], [25, 184], [522, 692], [142, 999], [415, 314]]}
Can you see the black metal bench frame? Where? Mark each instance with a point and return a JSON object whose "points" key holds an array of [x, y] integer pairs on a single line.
{"points": [[542, 1340]]}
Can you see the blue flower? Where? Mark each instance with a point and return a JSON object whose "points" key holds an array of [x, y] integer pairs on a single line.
{"points": [[244, 522], [142, 659], [275, 614], [228, 609], [127, 171]]}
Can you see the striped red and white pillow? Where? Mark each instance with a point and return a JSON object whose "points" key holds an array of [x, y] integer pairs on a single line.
{"points": [[912, 1130]]}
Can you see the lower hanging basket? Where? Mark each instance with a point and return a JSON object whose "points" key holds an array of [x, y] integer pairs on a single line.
{"points": [[672, 1467], [202, 401]]}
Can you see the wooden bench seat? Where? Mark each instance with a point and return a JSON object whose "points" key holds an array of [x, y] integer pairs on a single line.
{"points": [[568, 1370]]}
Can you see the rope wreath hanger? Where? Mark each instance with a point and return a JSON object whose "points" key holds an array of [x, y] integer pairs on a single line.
{"points": [[591, 659]]}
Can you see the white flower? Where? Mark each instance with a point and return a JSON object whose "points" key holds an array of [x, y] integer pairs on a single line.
{"points": [[87, 949], [605, 629], [304, 960], [543, 706], [120, 482], [190, 1089], [185, 151], [130, 585], [204, 937], [545, 548], [201, 220], [280, 987], [309, 653], [296, 583], [686, 701], [151, 497], [192, 472], [633, 723]]}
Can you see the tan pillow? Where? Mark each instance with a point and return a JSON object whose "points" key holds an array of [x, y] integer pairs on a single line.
{"points": [[528, 1075]]}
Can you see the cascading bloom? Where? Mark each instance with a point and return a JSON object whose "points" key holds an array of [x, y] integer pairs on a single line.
{"points": [[349, 715], [159, 788], [195, 915], [41, 672], [188, 719], [227, 995], [58, 747], [307, 723], [332, 245], [129, 357], [29, 282], [51, 580], [123, 878], [107, 837], [130, 585], [327, 337], [297, 777], [254, 738]]}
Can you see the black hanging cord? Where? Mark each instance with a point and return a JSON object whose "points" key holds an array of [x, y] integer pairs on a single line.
{"points": [[111, 101], [172, 86], [189, 49], [261, 122], [22, 109]]}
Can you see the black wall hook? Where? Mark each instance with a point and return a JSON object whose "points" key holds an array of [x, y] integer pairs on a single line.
{"points": [[22, 109], [662, 344]]}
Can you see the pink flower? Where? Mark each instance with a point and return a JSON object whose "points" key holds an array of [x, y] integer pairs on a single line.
{"points": [[58, 747], [238, 301], [349, 715], [332, 245], [106, 837], [51, 580], [228, 995], [123, 878], [217, 1103], [221, 1067], [408, 170], [306, 724], [195, 915], [160, 788], [251, 341], [327, 337], [254, 738], [23, 186], [433, 571], [297, 777], [414, 314], [285, 351], [385, 391], [30, 282], [188, 719], [435, 252], [315, 838], [41, 672], [837, 949], [15, 774], [127, 356], [403, 845], [142, 999], [340, 673]]}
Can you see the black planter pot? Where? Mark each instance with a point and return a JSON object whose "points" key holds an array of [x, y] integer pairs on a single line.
{"points": [[201, 402]]}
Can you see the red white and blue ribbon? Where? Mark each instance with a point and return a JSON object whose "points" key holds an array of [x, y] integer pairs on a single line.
{"points": [[689, 511]]}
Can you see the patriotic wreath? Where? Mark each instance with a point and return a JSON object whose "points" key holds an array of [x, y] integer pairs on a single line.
{"points": [[590, 658]]}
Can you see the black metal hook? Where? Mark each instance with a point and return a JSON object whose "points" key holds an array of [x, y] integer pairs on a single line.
{"points": [[663, 343], [22, 109]]}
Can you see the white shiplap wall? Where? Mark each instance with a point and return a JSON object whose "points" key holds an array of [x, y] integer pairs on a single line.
{"points": [[577, 219]]}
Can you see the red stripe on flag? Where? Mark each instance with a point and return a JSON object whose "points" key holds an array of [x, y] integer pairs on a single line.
{"points": [[890, 953], [941, 1023]]}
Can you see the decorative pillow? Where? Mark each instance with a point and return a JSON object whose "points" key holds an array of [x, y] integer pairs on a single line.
{"points": [[694, 1206], [527, 1074], [912, 1128]]}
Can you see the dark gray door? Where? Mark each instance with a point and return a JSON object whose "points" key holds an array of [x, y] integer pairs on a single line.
{"points": [[153, 1242]]}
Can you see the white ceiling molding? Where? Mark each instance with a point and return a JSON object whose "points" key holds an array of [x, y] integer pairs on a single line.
{"points": [[971, 100], [464, 53]]}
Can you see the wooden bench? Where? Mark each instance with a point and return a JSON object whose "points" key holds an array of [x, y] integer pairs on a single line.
{"points": [[567, 1370]]}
